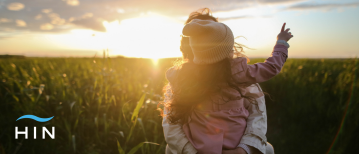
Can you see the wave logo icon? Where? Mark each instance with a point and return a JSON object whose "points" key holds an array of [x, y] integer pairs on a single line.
{"points": [[38, 119]]}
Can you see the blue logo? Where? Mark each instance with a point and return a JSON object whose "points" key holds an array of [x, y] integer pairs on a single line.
{"points": [[44, 129], [38, 119]]}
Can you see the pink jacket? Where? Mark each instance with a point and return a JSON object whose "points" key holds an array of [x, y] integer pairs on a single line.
{"points": [[253, 138]]}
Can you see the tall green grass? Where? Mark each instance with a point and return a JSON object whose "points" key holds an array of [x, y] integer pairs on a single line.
{"points": [[104, 105], [96, 102]]}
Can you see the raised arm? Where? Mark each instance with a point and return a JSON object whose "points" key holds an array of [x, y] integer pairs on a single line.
{"points": [[261, 72]]}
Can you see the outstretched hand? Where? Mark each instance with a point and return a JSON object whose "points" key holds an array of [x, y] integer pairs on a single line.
{"points": [[284, 34]]}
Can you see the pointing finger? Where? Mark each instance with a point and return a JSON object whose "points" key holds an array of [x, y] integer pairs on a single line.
{"points": [[283, 27]]}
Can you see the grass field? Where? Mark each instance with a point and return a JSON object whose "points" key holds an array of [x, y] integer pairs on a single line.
{"points": [[108, 105]]}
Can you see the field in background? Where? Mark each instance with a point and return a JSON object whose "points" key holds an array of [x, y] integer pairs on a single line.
{"points": [[109, 105]]}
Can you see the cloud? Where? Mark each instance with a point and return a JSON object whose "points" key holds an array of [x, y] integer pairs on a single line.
{"points": [[53, 15], [240, 17], [87, 15], [38, 17], [58, 21], [327, 6], [234, 18], [46, 26], [4, 20], [278, 1], [15, 6], [92, 23], [72, 2], [20, 23], [4, 38], [46, 11], [71, 19], [120, 10]]}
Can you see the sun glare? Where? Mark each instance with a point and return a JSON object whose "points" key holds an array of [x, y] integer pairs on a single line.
{"points": [[155, 36], [149, 36], [154, 61]]}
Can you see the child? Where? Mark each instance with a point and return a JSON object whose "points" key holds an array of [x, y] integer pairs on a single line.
{"points": [[253, 142], [209, 94]]}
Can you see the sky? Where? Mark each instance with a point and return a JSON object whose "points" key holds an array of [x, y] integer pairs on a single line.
{"points": [[152, 28]]}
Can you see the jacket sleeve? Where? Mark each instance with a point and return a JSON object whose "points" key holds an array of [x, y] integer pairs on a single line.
{"points": [[177, 142], [260, 72], [255, 133]]}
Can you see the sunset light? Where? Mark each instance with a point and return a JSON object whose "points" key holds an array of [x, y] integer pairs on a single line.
{"points": [[148, 36], [73, 29], [179, 76]]}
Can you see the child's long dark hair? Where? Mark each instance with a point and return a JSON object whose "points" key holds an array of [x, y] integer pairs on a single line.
{"points": [[195, 83]]}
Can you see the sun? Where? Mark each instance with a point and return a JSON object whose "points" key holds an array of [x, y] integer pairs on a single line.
{"points": [[149, 36], [155, 61]]}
